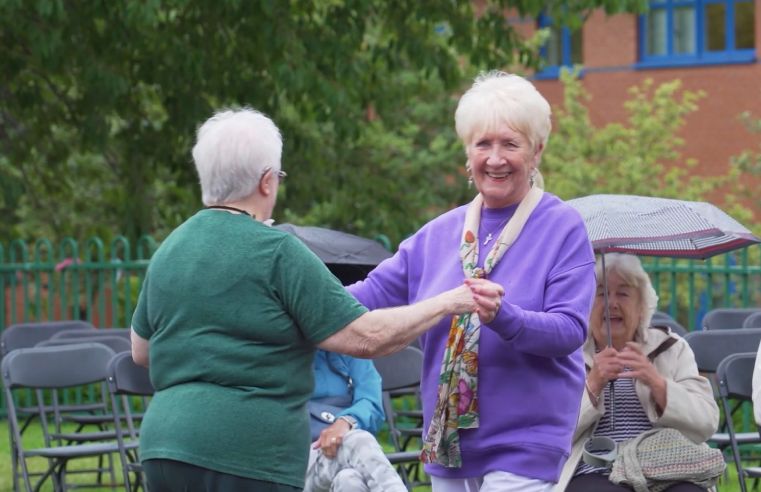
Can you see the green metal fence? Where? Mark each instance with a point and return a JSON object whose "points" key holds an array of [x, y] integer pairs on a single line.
{"points": [[100, 283], [90, 281]]}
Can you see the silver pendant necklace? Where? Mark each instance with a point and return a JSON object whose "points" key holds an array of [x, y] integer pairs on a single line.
{"points": [[490, 235]]}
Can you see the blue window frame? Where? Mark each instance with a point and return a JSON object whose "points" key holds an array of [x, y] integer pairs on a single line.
{"points": [[694, 32], [563, 49]]}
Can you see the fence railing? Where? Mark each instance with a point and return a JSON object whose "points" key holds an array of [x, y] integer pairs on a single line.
{"points": [[91, 281], [40, 281], [688, 289]]}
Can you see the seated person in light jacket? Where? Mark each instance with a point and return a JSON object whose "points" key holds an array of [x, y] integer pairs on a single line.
{"points": [[346, 456], [656, 381], [757, 388]]}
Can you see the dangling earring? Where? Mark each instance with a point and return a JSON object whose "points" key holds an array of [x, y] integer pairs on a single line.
{"points": [[470, 174], [532, 178]]}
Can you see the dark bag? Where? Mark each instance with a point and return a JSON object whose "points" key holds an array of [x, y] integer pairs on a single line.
{"points": [[323, 412]]}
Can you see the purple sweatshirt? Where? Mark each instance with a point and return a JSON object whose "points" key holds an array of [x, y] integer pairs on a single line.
{"points": [[530, 368]]}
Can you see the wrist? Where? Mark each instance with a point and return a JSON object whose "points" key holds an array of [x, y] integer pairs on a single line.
{"points": [[594, 397], [350, 420]]}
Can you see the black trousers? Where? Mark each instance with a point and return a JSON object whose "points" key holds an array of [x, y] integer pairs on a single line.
{"points": [[597, 482], [176, 476]]}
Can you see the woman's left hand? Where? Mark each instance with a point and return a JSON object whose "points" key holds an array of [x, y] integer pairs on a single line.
{"points": [[640, 368], [332, 437], [488, 296]]}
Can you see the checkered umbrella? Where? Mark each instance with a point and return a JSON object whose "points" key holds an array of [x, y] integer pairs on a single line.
{"points": [[650, 226]]}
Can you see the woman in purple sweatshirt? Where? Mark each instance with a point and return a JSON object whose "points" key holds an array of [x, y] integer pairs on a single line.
{"points": [[500, 400]]}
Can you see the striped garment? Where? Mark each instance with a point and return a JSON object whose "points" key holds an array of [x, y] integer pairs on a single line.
{"points": [[631, 419]]}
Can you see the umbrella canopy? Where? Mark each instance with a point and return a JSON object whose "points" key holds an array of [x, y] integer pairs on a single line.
{"points": [[349, 257], [651, 226]]}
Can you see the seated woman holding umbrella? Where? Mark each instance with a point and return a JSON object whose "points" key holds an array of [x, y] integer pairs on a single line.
{"points": [[656, 383]]}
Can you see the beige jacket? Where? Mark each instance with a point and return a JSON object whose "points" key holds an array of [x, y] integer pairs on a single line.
{"points": [[757, 387], [690, 406]]}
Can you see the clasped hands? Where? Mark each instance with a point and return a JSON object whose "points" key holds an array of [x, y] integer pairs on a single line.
{"points": [[629, 362], [480, 296]]}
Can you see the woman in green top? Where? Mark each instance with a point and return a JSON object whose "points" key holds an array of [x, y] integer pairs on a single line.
{"points": [[230, 315]]}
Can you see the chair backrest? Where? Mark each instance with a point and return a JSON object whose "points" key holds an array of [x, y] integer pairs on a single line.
{"points": [[711, 347], [127, 378], [400, 370], [56, 367], [753, 321], [108, 332], [659, 315], [735, 379], [25, 335], [727, 318], [115, 343], [672, 324], [735, 376]]}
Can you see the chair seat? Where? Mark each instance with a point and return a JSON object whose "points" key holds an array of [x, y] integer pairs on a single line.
{"points": [[107, 435], [398, 457], [722, 438], [95, 419], [79, 450]]}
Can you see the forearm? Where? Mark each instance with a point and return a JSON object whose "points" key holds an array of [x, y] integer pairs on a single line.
{"points": [[385, 331]]}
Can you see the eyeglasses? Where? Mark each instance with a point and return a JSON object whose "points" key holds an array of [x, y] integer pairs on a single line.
{"points": [[281, 175]]}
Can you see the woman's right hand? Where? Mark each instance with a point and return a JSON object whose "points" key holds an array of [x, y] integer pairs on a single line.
{"points": [[458, 300], [605, 367]]}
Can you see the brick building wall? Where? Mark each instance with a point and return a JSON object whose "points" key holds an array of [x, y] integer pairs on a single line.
{"points": [[713, 133]]}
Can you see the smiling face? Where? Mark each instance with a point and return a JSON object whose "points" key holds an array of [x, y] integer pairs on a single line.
{"points": [[501, 162], [625, 302]]}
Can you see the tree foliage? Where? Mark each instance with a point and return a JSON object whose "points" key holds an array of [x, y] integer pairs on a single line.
{"points": [[100, 100]]}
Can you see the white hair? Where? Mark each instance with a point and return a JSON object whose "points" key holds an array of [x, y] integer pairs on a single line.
{"points": [[498, 98], [629, 268], [232, 151]]}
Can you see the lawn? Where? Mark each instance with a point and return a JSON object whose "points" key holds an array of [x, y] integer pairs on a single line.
{"points": [[729, 484]]}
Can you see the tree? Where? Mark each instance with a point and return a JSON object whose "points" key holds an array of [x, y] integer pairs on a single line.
{"points": [[99, 101]]}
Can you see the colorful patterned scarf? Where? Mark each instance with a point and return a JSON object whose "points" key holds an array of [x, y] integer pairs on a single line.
{"points": [[457, 400]]}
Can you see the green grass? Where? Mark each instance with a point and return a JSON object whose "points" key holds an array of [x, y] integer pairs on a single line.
{"points": [[33, 438]]}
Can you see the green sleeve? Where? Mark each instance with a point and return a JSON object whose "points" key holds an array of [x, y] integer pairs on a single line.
{"points": [[311, 294]]}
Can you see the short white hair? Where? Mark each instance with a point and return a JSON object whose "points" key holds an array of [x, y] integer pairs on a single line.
{"points": [[629, 268], [232, 151], [498, 98]]}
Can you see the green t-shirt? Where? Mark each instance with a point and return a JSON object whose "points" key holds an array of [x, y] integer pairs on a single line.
{"points": [[233, 310]]}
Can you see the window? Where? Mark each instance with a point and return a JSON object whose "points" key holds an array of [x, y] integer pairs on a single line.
{"points": [[678, 32], [563, 49]]}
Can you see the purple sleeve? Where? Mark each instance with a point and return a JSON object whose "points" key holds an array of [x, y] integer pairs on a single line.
{"points": [[561, 327], [386, 285]]}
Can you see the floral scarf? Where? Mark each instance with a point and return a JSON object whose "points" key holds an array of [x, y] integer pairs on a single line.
{"points": [[457, 400]]}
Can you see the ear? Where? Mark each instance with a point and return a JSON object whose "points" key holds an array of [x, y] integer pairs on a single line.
{"points": [[538, 153], [266, 187]]}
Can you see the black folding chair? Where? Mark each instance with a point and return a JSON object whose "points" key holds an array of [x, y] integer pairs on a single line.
{"points": [[727, 318], [735, 377], [398, 371], [25, 335], [710, 349], [126, 379], [54, 369], [103, 418]]}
